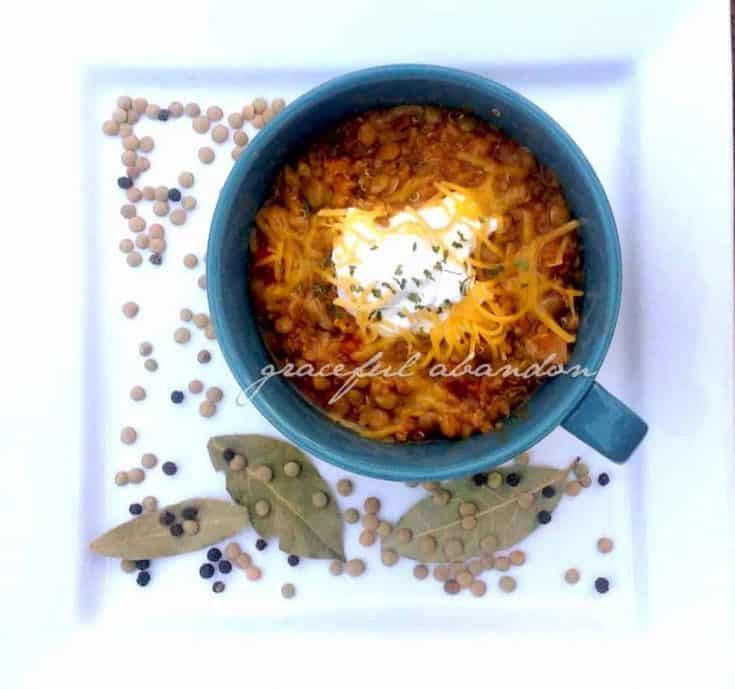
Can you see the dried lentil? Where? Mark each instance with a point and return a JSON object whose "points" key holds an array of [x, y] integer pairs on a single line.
{"points": [[371, 505], [389, 557], [137, 393], [345, 487], [420, 572], [262, 508], [214, 394], [319, 499], [207, 409], [240, 138], [571, 576], [200, 125], [370, 522], [149, 460], [336, 567], [478, 588], [178, 216], [253, 573], [136, 224], [121, 478], [190, 261], [192, 110], [128, 435], [188, 203], [292, 469], [356, 567], [288, 591], [160, 208], [150, 365], [206, 155], [384, 529], [605, 545], [451, 587], [265, 473], [427, 545], [352, 515], [502, 563], [367, 538], [441, 573], [220, 134], [507, 584], [182, 335], [244, 561]]}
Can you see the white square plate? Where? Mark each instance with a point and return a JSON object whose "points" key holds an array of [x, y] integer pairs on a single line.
{"points": [[645, 93]]}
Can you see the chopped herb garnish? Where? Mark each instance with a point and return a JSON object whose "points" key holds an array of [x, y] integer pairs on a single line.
{"points": [[414, 246], [461, 236], [521, 264], [398, 270], [457, 245], [495, 270], [446, 254], [428, 274], [401, 315], [415, 298], [352, 270], [435, 248], [376, 293], [417, 282], [388, 286], [356, 288], [373, 247], [402, 283]]}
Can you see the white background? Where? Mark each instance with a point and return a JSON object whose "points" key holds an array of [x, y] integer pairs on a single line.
{"points": [[682, 201]]}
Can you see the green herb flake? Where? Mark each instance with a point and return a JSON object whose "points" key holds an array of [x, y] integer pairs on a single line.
{"points": [[415, 298]]}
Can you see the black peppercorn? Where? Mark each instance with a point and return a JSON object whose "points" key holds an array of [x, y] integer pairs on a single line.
{"points": [[602, 585], [163, 114], [293, 560], [174, 195], [513, 479], [142, 565], [214, 554], [229, 455], [548, 491], [206, 571], [479, 479], [156, 259], [603, 479], [176, 530], [167, 518], [189, 513], [143, 578], [177, 397], [261, 544], [124, 182], [218, 586], [224, 566], [544, 517], [135, 508], [169, 468]]}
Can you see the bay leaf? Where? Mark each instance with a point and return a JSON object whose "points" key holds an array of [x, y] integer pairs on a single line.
{"points": [[498, 514], [301, 528], [145, 537]]}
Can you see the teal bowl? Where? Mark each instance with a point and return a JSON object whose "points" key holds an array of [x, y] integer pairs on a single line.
{"points": [[579, 404]]}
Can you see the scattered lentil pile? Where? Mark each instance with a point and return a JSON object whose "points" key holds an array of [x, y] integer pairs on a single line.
{"points": [[457, 552]]}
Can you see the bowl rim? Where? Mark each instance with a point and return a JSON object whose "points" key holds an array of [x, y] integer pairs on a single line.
{"points": [[225, 205]]}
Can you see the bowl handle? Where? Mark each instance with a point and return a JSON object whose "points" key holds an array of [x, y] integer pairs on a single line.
{"points": [[606, 424]]}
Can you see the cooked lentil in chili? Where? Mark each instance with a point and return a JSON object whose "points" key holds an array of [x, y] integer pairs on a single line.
{"points": [[332, 285]]}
